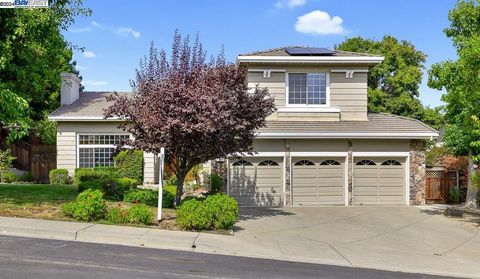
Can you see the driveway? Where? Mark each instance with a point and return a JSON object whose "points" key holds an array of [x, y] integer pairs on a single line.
{"points": [[413, 239]]}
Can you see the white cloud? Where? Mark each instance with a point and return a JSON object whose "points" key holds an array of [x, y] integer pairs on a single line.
{"points": [[89, 54], [94, 83], [125, 31], [319, 23], [289, 3], [96, 24], [80, 30]]}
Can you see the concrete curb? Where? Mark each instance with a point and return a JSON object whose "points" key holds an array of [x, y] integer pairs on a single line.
{"points": [[183, 241]]}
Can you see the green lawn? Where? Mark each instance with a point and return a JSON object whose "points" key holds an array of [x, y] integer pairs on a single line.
{"points": [[35, 200], [44, 201]]}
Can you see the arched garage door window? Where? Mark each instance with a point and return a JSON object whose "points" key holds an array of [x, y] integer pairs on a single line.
{"points": [[304, 163], [268, 163], [330, 163], [391, 163], [365, 163], [242, 163]]}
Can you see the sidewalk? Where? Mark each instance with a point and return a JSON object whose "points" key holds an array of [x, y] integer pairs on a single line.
{"points": [[239, 245]]}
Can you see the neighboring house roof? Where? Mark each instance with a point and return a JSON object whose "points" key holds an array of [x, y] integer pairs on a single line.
{"points": [[379, 125], [280, 55], [89, 106]]}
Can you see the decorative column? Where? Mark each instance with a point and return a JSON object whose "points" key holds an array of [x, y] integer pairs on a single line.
{"points": [[288, 175], [350, 172], [417, 172]]}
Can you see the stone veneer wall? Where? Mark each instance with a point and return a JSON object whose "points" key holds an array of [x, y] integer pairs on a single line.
{"points": [[350, 172], [288, 175], [417, 172]]}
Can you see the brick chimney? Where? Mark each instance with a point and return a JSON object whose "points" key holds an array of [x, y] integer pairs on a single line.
{"points": [[70, 89]]}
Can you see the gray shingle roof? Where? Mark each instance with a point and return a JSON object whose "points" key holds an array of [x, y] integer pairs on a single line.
{"points": [[90, 104], [281, 52], [378, 123]]}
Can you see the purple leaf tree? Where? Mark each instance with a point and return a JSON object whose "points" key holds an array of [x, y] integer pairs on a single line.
{"points": [[197, 111]]}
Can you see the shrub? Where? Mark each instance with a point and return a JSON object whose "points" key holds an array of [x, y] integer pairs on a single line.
{"points": [[26, 177], [223, 210], [168, 199], [58, 176], [454, 196], [191, 215], [140, 214], [88, 206], [114, 188], [145, 196], [172, 181], [216, 184], [85, 174], [129, 164], [116, 215], [149, 197], [8, 176]]}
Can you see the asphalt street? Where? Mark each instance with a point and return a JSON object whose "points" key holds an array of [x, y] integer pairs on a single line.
{"points": [[43, 258]]}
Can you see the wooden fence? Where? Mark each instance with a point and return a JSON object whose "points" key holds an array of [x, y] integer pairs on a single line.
{"points": [[439, 183], [39, 159]]}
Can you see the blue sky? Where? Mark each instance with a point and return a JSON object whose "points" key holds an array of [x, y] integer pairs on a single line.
{"points": [[118, 34]]}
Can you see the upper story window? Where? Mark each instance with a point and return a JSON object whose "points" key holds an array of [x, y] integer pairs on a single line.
{"points": [[307, 88]]}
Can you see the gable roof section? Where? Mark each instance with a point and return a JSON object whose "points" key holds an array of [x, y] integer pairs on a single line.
{"points": [[379, 125], [89, 107], [280, 55]]}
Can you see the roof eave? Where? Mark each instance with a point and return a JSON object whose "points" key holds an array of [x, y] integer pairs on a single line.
{"points": [[310, 59], [419, 135], [83, 118]]}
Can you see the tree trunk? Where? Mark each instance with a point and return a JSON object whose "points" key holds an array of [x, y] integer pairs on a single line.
{"points": [[180, 181], [471, 199]]}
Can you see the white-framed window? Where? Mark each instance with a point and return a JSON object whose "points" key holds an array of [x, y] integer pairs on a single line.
{"points": [[97, 150], [308, 89]]}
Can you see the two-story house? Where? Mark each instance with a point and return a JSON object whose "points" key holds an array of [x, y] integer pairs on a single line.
{"points": [[321, 147]]}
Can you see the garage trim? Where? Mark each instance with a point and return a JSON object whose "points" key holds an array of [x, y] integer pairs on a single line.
{"points": [[322, 154], [405, 155]]}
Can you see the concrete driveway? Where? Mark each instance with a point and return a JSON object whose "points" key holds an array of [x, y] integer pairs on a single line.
{"points": [[413, 239]]}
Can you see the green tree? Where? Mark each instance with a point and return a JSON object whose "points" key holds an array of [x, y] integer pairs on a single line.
{"points": [[461, 81], [393, 85], [33, 53]]}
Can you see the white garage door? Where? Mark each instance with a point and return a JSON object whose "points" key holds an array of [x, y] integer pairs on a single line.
{"points": [[318, 181], [379, 181], [257, 181]]}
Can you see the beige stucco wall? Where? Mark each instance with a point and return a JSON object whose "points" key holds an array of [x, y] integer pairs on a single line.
{"points": [[67, 145], [350, 95], [380, 145]]}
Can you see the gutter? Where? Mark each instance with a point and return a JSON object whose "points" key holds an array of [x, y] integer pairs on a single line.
{"points": [[269, 135], [83, 118], [311, 59]]}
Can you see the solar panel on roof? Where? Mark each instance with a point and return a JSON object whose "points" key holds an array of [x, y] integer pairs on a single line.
{"points": [[305, 51]]}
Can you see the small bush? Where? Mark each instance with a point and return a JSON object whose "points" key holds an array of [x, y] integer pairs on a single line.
{"points": [[454, 196], [191, 215], [114, 188], [129, 164], [85, 174], [26, 177], [117, 215], [149, 197], [140, 214], [223, 210], [216, 184], [58, 176], [88, 206], [145, 196], [168, 199], [173, 181], [8, 176]]}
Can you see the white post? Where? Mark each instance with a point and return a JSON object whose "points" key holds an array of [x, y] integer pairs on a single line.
{"points": [[160, 183]]}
